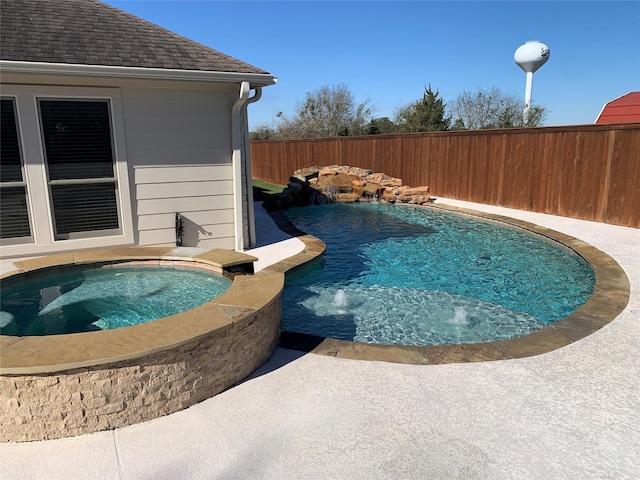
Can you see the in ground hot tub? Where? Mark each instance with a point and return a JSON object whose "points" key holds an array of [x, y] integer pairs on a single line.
{"points": [[63, 385]]}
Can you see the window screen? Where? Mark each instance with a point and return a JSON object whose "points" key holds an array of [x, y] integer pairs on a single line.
{"points": [[80, 166]]}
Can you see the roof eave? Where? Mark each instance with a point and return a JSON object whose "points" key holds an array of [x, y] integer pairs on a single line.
{"points": [[255, 79]]}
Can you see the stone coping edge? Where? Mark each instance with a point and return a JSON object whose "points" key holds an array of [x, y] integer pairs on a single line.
{"points": [[54, 353], [313, 246], [609, 299]]}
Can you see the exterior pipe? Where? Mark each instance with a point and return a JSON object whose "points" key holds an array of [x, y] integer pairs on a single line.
{"points": [[236, 160], [248, 174]]}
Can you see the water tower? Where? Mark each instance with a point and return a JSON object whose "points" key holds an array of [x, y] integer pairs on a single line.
{"points": [[530, 57]]}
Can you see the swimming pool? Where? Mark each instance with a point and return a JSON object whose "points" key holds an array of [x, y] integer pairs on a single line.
{"points": [[415, 276], [89, 298], [108, 378]]}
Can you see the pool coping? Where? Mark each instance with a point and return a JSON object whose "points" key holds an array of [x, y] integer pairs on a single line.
{"points": [[609, 299], [55, 353]]}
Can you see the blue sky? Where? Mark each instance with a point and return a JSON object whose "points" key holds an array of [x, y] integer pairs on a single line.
{"points": [[387, 52]]}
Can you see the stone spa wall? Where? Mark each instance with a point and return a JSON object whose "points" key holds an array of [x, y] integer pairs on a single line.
{"points": [[66, 385], [73, 402]]}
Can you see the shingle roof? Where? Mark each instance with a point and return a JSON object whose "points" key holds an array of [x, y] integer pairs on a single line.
{"points": [[87, 32]]}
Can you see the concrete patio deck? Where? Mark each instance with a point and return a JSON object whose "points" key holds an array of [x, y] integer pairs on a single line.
{"points": [[571, 413]]}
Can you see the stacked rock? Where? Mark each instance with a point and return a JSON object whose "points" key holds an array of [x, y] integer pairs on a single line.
{"points": [[344, 184]]}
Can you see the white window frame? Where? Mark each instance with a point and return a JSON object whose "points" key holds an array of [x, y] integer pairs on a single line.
{"points": [[26, 99], [52, 183]]}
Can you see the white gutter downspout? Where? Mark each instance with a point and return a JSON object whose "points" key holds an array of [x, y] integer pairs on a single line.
{"points": [[248, 173], [236, 160]]}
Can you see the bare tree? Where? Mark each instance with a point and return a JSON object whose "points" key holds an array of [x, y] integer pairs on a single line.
{"points": [[492, 109], [326, 112], [263, 132]]}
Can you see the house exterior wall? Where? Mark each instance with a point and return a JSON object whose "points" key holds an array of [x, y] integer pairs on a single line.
{"points": [[179, 149], [173, 142]]}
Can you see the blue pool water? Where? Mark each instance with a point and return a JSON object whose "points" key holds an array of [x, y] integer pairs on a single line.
{"points": [[103, 299], [413, 276]]}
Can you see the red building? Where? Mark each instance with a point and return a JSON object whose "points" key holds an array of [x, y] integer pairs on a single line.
{"points": [[625, 109]]}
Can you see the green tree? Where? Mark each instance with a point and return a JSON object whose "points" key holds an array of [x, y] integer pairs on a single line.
{"points": [[425, 115], [382, 125], [458, 124], [326, 112]]}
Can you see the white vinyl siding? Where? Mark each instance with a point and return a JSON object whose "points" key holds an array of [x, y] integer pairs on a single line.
{"points": [[206, 206], [154, 206], [181, 189], [179, 143], [184, 173], [177, 128]]}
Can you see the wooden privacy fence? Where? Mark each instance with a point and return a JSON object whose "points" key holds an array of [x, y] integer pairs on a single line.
{"points": [[590, 172]]}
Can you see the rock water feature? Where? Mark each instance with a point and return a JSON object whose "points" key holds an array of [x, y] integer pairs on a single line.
{"points": [[344, 184]]}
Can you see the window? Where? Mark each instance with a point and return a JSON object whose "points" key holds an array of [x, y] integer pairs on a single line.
{"points": [[64, 182], [14, 221], [78, 150]]}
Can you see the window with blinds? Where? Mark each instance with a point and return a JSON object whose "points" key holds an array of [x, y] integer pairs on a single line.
{"points": [[78, 147], [15, 226]]}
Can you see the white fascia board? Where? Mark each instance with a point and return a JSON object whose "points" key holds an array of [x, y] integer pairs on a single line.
{"points": [[255, 79]]}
